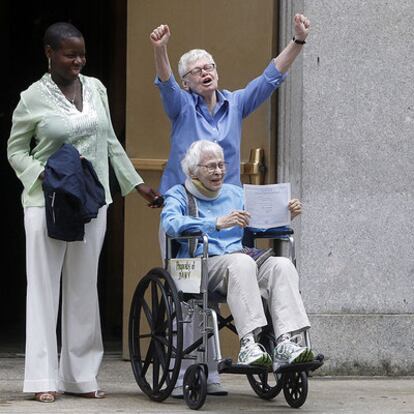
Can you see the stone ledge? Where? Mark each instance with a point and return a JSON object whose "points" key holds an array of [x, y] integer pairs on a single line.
{"points": [[368, 345]]}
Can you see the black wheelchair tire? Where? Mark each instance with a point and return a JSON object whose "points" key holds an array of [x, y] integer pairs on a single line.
{"points": [[262, 387], [295, 388], [266, 385], [195, 386], [156, 334]]}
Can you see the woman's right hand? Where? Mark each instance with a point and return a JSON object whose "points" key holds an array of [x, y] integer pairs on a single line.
{"points": [[235, 218], [160, 35]]}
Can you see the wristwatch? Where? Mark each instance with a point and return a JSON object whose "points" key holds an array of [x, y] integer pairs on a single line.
{"points": [[299, 42]]}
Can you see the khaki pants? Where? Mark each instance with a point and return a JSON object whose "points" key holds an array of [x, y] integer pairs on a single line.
{"points": [[277, 281]]}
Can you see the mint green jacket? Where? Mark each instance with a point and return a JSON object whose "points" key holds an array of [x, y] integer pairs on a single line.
{"points": [[44, 115]]}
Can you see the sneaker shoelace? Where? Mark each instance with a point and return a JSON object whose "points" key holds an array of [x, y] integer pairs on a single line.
{"points": [[250, 348], [284, 348]]}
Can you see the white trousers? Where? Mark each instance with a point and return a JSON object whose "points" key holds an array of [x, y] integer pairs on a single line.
{"points": [[235, 275], [74, 265], [277, 281], [279, 285]]}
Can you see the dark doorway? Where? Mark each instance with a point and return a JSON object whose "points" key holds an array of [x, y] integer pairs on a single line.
{"points": [[22, 24]]}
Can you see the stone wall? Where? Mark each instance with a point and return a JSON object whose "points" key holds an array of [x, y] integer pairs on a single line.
{"points": [[346, 143]]}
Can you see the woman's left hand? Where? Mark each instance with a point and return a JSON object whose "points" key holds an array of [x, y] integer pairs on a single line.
{"points": [[295, 207], [154, 198]]}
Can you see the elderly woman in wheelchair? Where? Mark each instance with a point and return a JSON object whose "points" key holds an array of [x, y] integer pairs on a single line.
{"points": [[219, 213], [212, 211]]}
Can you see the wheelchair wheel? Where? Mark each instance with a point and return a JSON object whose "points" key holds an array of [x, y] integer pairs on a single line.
{"points": [[295, 388], [156, 334], [266, 385], [195, 386]]}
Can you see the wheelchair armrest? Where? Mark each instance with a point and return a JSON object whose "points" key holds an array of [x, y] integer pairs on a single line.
{"points": [[187, 235], [197, 233], [269, 233], [252, 233]]}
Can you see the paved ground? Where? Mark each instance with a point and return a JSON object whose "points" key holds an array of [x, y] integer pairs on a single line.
{"points": [[326, 395]]}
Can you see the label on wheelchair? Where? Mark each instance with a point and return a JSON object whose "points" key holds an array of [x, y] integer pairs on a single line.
{"points": [[186, 274]]}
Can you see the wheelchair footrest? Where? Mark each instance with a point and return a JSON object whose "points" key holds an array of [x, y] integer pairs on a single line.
{"points": [[300, 366], [227, 366]]}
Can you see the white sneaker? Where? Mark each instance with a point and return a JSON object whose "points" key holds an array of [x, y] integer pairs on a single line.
{"points": [[288, 352], [252, 353]]}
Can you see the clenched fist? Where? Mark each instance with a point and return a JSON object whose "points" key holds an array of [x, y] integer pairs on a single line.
{"points": [[160, 35], [302, 26]]}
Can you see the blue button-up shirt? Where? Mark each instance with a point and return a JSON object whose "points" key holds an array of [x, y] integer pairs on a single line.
{"points": [[191, 121]]}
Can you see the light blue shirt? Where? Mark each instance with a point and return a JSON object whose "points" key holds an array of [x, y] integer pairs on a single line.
{"points": [[175, 219], [192, 121]]}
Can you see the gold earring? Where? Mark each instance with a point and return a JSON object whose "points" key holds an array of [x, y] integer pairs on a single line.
{"points": [[49, 65]]}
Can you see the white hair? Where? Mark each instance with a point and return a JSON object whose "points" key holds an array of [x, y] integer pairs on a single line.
{"points": [[195, 153], [190, 57]]}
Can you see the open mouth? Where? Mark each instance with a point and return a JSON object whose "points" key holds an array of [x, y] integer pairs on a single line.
{"points": [[207, 81], [216, 181]]}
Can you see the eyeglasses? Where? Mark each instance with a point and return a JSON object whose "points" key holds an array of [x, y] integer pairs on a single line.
{"points": [[211, 167], [209, 67]]}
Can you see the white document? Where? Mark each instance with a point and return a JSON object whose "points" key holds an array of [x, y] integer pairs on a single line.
{"points": [[267, 204]]}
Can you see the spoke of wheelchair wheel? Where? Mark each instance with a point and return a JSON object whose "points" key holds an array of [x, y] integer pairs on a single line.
{"points": [[162, 340], [148, 358], [155, 373], [161, 314], [165, 323], [148, 315], [154, 300], [173, 351], [168, 378], [159, 350]]}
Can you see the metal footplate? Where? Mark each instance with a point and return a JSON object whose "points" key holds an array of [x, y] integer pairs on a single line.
{"points": [[302, 366], [227, 366]]}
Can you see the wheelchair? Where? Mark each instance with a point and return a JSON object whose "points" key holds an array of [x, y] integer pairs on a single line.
{"points": [[156, 331]]}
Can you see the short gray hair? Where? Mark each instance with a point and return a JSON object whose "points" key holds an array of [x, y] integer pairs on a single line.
{"points": [[190, 57], [195, 152]]}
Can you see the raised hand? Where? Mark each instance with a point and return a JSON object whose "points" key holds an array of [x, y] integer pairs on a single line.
{"points": [[160, 35], [302, 26]]}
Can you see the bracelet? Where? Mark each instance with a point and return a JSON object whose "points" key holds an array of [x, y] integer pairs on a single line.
{"points": [[299, 42]]}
